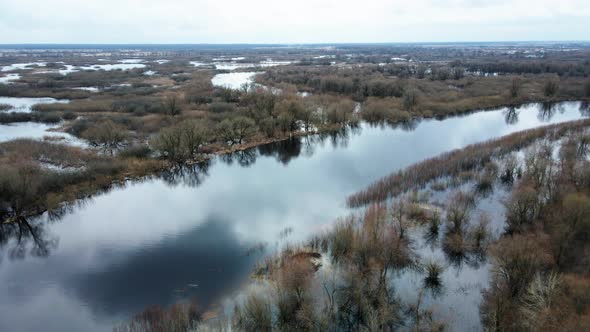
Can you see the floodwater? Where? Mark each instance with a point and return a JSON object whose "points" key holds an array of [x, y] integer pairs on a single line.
{"points": [[88, 88], [115, 66], [38, 131], [224, 64], [23, 66], [233, 80], [186, 233], [25, 104], [7, 79]]}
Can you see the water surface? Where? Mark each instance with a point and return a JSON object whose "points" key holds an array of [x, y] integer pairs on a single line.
{"points": [[233, 80], [25, 104], [38, 131], [7, 79], [186, 233]]}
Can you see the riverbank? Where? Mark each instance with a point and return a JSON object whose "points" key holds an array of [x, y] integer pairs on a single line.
{"points": [[138, 168]]}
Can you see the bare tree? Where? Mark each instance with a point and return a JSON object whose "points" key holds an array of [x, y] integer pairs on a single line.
{"points": [[107, 135], [171, 105], [550, 88], [515, 87]]}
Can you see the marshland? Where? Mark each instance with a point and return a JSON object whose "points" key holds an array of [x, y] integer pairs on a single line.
{"points": [[346, 187]]}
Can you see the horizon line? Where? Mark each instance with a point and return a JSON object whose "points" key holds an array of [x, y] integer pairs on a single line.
{"points": [[308, 43]]}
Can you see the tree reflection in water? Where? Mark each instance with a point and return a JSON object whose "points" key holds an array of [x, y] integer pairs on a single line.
{"points": [[188, 175], [585, 108], [21, 238], [286, 150], [409, 125], [548, 109], [283, 151], [244, 158], [511, 115]]}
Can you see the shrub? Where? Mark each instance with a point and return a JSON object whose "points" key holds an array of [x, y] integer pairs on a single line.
{"points": [[171, 105], [458, 210], [136, 151], [49, 118], [539, 298], [376, 110], [182, 316], [228, 95], [479, 234], [515, 87], [385, 88], [254, 315], [521, 208], [550, 88], [340, 112], [169, 143], [199, 92], [16, 117], [220, 107], [433, 272], [138, 106], [107, 135], [78, 127], [182, 141], [571, 227], [458, 73], [410, 99], [69, 116], [194, 136], [236, 130]]}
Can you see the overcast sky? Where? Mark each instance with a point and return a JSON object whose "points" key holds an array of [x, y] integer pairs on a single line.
{"points": [[294, 21]]}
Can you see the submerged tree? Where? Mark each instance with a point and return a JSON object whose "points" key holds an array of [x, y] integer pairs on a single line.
{"points": [[107, 135]]}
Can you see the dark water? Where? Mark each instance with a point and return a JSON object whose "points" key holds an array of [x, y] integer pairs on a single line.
{"points": [[187, 234]]}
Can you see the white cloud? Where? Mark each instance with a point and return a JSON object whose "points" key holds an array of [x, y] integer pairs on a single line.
{"points": [[267, 21]]}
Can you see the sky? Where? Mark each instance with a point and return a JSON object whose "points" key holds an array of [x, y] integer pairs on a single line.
{"points": [[291, 22]]}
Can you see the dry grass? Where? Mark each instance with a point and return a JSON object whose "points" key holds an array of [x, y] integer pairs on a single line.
{"points": [[452, 163]]}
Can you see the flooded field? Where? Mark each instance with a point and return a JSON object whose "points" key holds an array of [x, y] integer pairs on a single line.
{"points": [[187, 233]]}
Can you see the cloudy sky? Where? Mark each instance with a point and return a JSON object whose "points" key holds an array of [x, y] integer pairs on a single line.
{"points": [[295, 21]]}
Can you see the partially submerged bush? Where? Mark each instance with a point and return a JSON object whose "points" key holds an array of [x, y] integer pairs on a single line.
{"points": [[182, 316], [433, 271], [107, 135], [255, 314], [472, 157], [458, 211], [26, 187], [522, 208], [364, 251]]}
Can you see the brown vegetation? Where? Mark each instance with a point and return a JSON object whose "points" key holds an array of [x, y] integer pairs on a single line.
{"points": [[472, 157], [28, 188], [354, 293]]}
